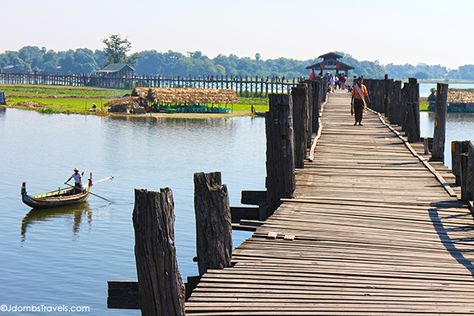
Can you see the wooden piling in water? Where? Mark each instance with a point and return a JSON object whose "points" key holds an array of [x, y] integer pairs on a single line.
{"points": [[280, 164], [299, 96], [469, 185], [314, 106], [412, 127], [403, 106], [317, 100], [387, 102], [464, 176], [309, 110], [467, 171], [213, 222], [160, 288], [457, 149], [395, 102], [439, 136]]}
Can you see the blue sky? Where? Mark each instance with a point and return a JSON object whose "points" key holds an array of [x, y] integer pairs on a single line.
{"points": [[403, 31]]}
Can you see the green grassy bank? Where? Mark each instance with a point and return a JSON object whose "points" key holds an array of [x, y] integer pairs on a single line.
{"points": [[423, 104], [61, 99]]}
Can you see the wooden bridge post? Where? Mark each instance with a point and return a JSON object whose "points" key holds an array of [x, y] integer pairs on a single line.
{"points": [[213, 222], [439, 137], [316, 106], [395, 102], [381, 96], [299, 96], [324, 82], [467, 173], [373, 90], [403, 108], [368, 84], [388, 107], [313, 107], [160, 288], [309, 126], [280, 181], [457, 149], [469, 186], [413, 111]]}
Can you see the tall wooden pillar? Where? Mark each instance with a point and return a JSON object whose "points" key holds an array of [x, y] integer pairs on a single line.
{"points": [[299, 96], [439, 136], [280, 182], [160, 288]]}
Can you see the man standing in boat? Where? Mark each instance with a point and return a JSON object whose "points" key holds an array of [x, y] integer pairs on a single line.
{"points": [[77, 181]]}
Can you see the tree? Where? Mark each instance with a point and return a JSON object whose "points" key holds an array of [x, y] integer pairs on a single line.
{"points": [[421, 75], [258, 56], [116, 49]]}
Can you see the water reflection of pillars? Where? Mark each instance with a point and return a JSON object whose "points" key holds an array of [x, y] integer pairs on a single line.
{"points": [[77, 212]]}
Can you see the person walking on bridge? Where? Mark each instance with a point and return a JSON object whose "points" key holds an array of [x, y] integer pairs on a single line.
{"points": [[359, 101]]}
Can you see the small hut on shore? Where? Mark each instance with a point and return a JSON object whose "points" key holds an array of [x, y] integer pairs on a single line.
{"points": [[116, 70]]}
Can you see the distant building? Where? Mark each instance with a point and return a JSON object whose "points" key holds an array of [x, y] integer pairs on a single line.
{"points": [[116, 70], [330, 62]]}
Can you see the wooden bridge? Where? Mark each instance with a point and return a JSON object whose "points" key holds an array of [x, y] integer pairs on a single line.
{"points": [[373, 229]]}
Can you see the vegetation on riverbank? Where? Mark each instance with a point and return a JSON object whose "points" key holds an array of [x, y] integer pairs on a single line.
{"points": [[423, 104], [62, 99]]}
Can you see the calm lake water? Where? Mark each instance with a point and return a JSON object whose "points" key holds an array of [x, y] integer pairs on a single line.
{"points": [[460, 126], [67, 257]]}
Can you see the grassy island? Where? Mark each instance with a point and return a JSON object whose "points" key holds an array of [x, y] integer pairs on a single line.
{"points": [[80, 100]]}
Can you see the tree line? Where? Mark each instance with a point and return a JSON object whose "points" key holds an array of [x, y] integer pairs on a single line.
{"points": [[171, 63]]}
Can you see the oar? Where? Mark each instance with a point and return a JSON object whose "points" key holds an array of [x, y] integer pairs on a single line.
{"points": [[103, 198], [102, 180]]}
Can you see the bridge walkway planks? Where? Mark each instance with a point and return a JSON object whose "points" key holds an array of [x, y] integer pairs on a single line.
{"points": [[374, 233]]}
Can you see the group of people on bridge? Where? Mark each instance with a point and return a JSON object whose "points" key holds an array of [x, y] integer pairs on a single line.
{"points": [[360, 96]]}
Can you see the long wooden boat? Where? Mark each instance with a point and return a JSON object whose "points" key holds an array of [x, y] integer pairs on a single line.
{"points": [[60, 197]]}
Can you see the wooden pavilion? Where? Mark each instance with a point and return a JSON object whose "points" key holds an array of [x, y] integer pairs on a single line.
{"points": [[330, 62]]}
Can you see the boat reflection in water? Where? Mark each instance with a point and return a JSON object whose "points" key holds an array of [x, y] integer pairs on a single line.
{"points": [[77, 212]]}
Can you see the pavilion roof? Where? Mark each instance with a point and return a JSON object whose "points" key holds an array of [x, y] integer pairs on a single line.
{"points": [[330, 65], [330, 56]]}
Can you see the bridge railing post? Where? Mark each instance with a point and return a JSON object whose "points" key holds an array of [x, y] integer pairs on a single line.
{"points": [[439, 136], [388, 107], [299, 96], [213, 222], [457, 149], [280, 181], [380, 95], [395, 102], [309, 110], [467, 173], [315, 106], [412, 127], [160, 288], [368, 84], [403, 106]]}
